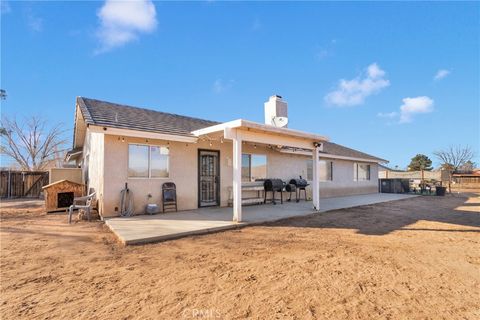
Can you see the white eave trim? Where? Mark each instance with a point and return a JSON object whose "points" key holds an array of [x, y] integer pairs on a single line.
{"points": [[333, 156], [217, 128], [74, 155], [245, 124], [141, 134]]}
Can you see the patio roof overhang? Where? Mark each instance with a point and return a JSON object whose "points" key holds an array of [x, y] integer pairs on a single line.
{"points": [[242, 130], [263, 133]]}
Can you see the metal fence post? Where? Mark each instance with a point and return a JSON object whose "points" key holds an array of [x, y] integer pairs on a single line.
{"points": [[9, 185]]}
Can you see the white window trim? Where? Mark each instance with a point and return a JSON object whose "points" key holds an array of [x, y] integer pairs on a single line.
{"points": [[257, 154], [331, 173], [355, 177], [149, 145]]}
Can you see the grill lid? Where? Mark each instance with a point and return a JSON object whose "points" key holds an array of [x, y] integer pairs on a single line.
{"points": [[299, 183], [273, 184]]}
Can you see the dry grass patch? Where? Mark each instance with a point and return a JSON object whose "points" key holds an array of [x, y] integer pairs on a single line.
{"points": [[415, 258]]}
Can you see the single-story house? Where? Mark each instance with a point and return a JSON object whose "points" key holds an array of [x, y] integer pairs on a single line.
{"points": [[467, 179], [208, 161]]}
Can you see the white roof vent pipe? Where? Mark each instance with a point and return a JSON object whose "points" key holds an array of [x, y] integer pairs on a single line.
{"points": [[276, 112]]}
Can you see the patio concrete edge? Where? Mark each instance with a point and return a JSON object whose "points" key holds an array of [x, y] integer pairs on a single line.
{"points": [[161, 238]]}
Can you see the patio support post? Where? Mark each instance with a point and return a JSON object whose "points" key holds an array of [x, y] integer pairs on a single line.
{"points": [[237, 177], [316, 180]]}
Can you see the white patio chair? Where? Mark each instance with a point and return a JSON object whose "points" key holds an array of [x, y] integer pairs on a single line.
{"points": [[81, 203]]}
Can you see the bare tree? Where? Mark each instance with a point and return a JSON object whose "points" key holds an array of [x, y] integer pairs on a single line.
{"points": [[468, 167], [30, 144], [453, 158]]}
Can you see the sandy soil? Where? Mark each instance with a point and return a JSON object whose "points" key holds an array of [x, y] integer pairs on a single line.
{"points": [[411, 259]]}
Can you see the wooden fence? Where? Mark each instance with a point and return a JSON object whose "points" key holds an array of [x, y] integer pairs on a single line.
{"points": [[21, 184]]}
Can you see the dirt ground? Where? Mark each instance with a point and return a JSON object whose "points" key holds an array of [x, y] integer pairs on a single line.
{"points": [[410, 259]]}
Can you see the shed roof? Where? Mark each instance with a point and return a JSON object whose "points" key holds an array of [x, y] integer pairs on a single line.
{"points": [[60, 182]]}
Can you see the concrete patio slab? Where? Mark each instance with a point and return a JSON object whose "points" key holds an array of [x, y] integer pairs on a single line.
{"points": [[144, 229]]}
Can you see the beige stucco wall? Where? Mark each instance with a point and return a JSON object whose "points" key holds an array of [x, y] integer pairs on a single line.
{"points": [[343, 183], [94, 151], [70, 174], [108, 167], [183, 172], [183, 169]]}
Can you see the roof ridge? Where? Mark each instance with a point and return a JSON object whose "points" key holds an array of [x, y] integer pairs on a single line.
{"points": [[149, 110]]}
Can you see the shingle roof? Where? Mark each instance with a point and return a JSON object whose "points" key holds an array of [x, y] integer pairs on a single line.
{"points": [[102, 113], [339, 150], [115, 115]]}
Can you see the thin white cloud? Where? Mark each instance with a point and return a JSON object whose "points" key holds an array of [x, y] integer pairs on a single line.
{"points": [[374, 71], [326, 51], [442, 73], [388, 115], [413, 106], [221, 85], [122, 21], [34, 22], [354, 92]]}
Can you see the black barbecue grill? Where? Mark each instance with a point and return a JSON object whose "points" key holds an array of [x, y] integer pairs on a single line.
{"points": [[300, 184], [291, 188], [273, 185]]}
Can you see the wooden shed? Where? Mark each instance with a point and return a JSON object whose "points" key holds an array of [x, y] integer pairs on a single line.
{"points": [[59, 195]]}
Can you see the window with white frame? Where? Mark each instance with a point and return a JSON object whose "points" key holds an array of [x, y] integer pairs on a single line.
{"points": [[361, 171], [326, 170], [146, 161], [254, 166]]}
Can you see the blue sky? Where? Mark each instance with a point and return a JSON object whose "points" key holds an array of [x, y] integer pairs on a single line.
{"points": [[388, 78]]}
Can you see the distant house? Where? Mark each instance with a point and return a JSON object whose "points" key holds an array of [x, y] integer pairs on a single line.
{"points": [[116, 144], [467, 180]]}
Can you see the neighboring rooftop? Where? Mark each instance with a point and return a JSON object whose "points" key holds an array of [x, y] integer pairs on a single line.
{"points": [[383, 167]]}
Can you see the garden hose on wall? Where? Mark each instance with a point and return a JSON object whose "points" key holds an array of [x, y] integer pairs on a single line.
{"points": [[126, 202]]}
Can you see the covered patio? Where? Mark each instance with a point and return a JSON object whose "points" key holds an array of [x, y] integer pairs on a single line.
{"points": [[145, 229], [242, 131]]}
